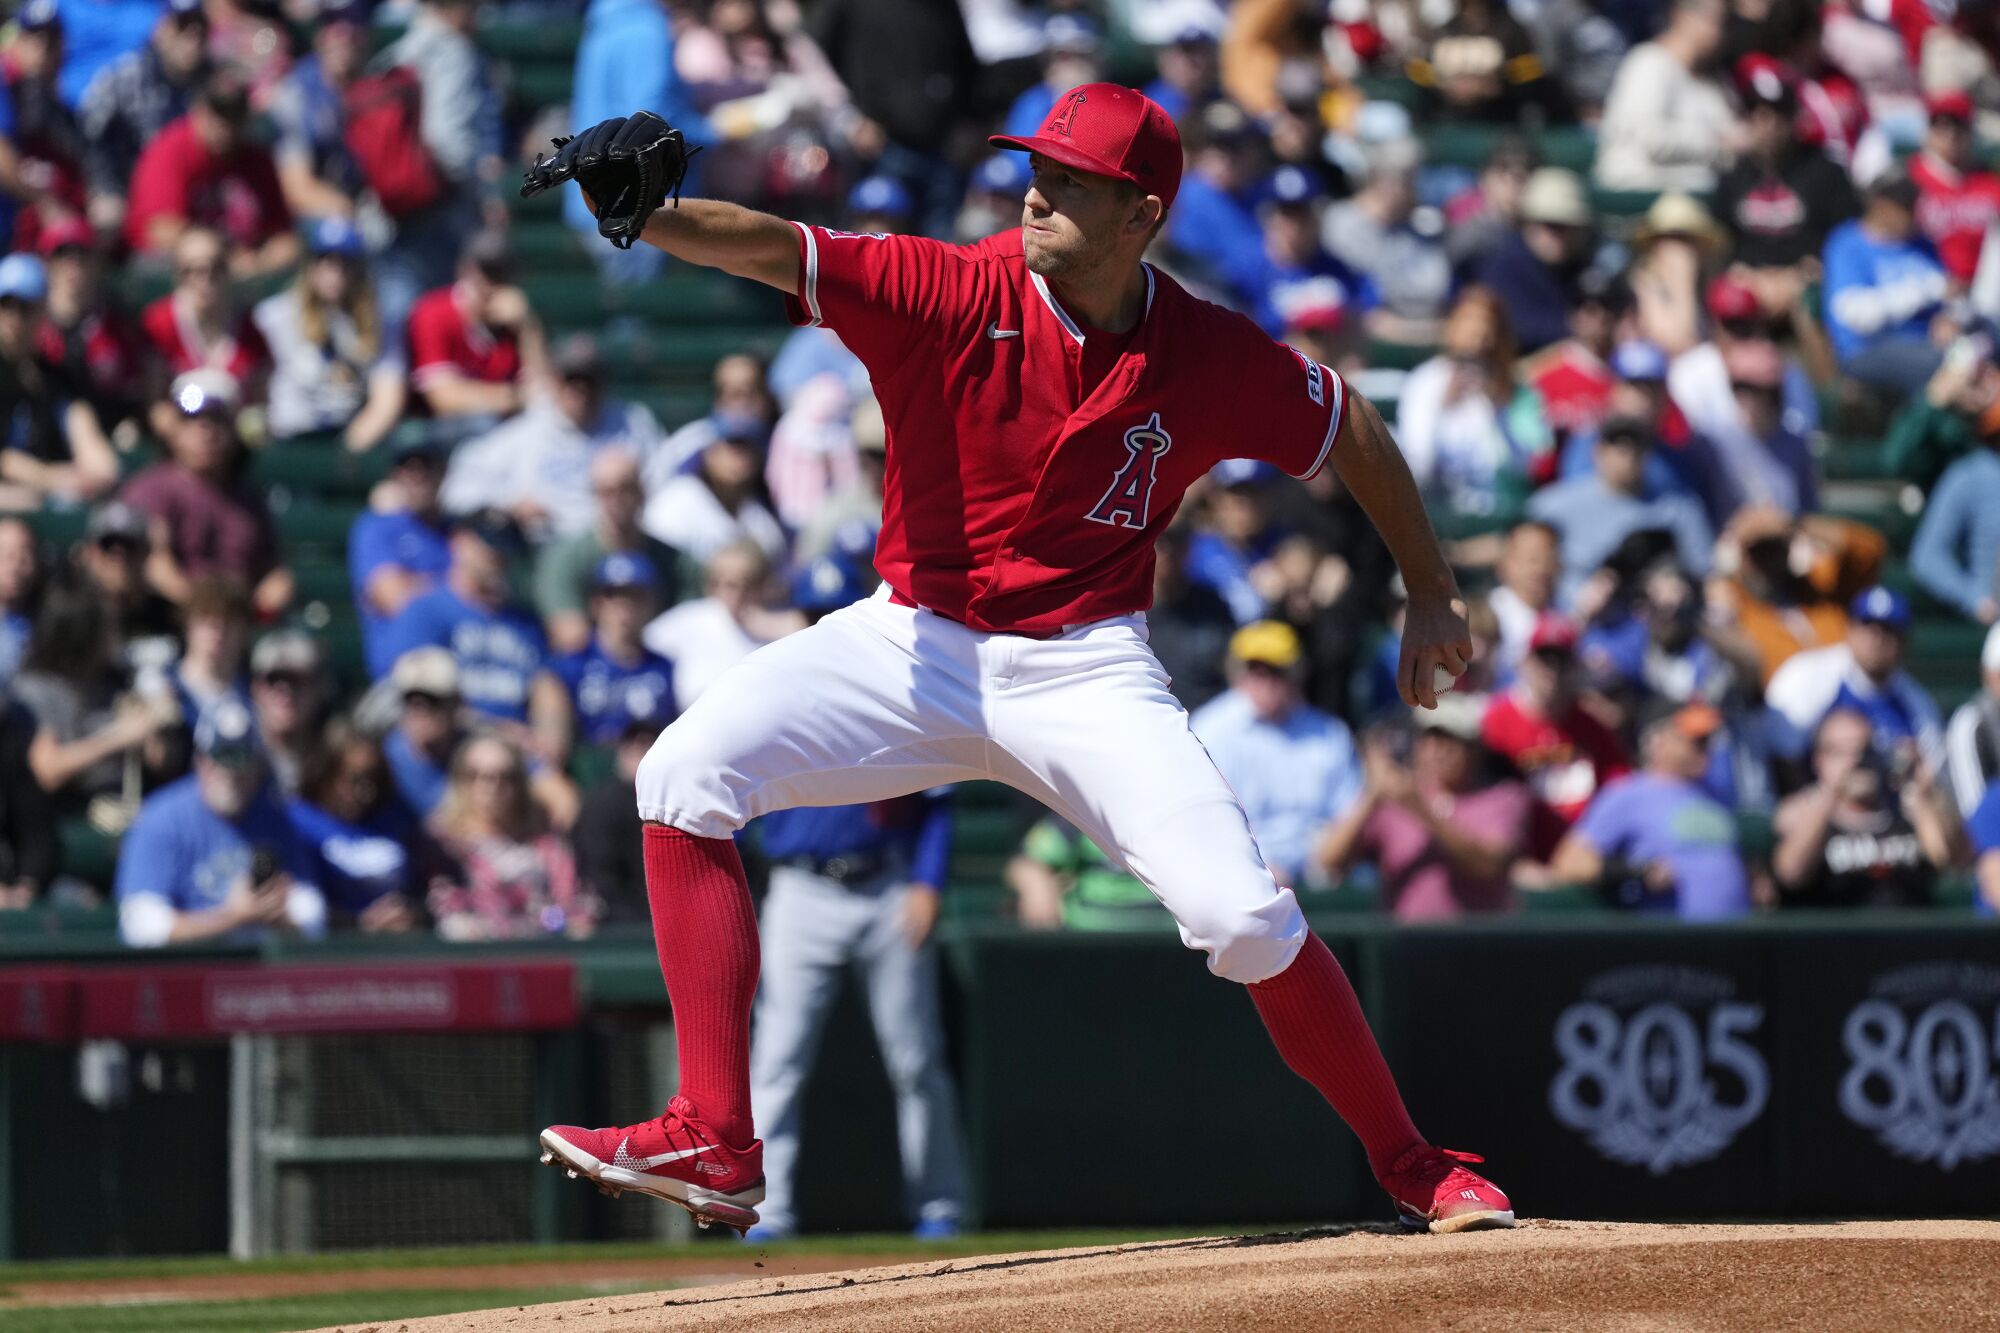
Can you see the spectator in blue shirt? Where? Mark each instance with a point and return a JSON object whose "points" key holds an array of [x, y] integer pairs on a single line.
{"points": [[1213, 223], [616, 678], [1593, 515], [1190, 72], [1232, 553], [427, 731], [1294, 768], [214, 854], [1884, 286], [1538, 268], [624, 61], [1070, 46], [1658, 842], [319, 174], [397, 556], [98, 32], [371, 850], [1956, 554], [499, 649], [1291, 269]]}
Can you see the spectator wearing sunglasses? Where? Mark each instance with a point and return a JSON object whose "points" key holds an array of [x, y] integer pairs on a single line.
{"points": [[288, 693]]}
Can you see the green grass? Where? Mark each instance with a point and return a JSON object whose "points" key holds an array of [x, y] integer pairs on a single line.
{"points": [[888, 1243], [280, 1315]]}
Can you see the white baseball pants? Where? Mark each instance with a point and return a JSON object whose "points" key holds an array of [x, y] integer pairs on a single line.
{"points": [[879, 700]]}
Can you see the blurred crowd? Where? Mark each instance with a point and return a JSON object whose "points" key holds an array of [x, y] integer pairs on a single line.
{"points": [[1696, 239]]}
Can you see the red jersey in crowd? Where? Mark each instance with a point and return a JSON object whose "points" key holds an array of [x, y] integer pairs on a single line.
{"points": [[176, 339], [1034, 463], [236, 193], [1566, 760], [1575, 385], [443, 337], [102, 353], [1954, 209]]}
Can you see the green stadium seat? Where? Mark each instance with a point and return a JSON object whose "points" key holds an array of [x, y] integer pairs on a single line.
{"points": [[321, 579], [58, 529], [307, 523], [88, 853], [1398, 356], [319, 468]]}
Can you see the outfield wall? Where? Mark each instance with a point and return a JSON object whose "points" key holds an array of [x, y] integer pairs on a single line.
{"points": [[349, 1095]]}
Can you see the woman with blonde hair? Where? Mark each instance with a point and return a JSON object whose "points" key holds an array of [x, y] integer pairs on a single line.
{"points": [[1471, 430], [511, 877], [336, 367]]}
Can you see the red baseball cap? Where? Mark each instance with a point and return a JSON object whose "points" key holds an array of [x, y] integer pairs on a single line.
{"points": [[1108, 130], [1951, 105], [1553, 630], [1731, 300], [68, 230]]}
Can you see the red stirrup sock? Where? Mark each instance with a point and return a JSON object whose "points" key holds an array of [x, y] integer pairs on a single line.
{"points": [[1319, 1028], [706, 933]]}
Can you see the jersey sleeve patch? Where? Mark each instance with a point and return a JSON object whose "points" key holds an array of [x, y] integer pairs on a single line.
{"points": [[1320, 383]]}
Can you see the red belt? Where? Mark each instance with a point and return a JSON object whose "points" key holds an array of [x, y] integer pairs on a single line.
{"points": [[896, 598]]}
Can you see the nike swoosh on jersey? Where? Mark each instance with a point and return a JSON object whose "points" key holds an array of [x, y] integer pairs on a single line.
{"points": [[625, 1158], [994, 330]]}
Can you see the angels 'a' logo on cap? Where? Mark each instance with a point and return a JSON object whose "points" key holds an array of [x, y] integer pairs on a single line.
{"points": [[1063, 121]]}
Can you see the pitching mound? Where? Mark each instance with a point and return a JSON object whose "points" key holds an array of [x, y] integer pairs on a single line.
{"points": [[1546, 1275]]}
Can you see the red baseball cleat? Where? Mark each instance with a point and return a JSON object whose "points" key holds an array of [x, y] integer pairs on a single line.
{"points": [[675, 1157], [1434, 1192]]}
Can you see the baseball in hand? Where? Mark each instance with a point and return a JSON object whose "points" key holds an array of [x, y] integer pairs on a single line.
{"points": [[1442, 681]]}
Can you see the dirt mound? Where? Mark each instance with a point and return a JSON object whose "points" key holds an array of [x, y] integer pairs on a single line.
{"points": [[1547, 1275]]}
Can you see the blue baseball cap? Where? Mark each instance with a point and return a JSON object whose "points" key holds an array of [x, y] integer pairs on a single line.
{"points": [[38, 16], [21, 278], [1076, 33], [336, 236], [1639, 361], [181, 9], [1289, 185], [742, 427], [882, 194], [227, 734], [1003, 173], [826, 584], [621, 570], [1881, 606], [1243, 472]]}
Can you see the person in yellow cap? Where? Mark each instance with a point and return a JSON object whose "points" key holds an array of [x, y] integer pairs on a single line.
{"points": [[1293, 767]]}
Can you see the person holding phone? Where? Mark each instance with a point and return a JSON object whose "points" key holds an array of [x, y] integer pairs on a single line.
{"points": [[214, 855]]}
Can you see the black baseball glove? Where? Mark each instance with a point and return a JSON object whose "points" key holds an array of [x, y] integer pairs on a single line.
{"points": [[628, 167]]}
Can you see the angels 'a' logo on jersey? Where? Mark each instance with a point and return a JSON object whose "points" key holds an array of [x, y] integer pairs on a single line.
{"points": [[1126, 500], [1063, 122]]}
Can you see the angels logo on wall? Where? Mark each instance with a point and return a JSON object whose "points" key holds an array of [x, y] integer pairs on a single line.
{"points": [[1920, 1073], [1659, 1069]]}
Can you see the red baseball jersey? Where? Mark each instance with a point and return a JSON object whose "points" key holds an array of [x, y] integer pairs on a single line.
{"points": [[1024, 492], [178, 343], [1566, 761], [1954, 209], [442, 338], [177, 176]]}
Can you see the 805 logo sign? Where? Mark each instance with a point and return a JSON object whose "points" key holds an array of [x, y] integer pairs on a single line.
{"points": [[1920, 1073], [1658, 1066]]}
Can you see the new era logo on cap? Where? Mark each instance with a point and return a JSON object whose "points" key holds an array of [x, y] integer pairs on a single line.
{"points": [[1109, 130]]}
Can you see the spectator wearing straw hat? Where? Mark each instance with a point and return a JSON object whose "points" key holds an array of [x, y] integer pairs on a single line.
{"points": [[1535, 269]]}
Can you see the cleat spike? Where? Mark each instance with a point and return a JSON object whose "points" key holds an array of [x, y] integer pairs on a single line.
{"points": [[702, 1222], [571, 1171], [548, 1159]]}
